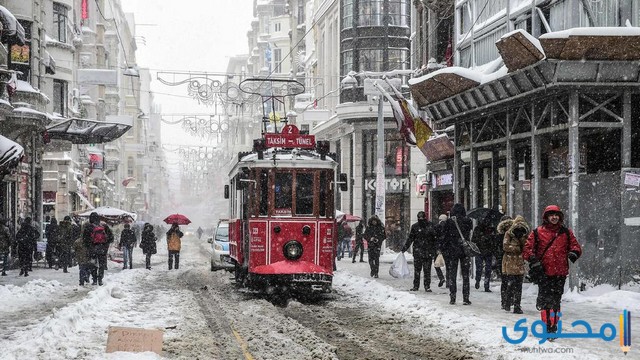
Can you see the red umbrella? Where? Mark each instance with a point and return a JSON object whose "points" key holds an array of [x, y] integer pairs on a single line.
{"points": [[177, 218]]}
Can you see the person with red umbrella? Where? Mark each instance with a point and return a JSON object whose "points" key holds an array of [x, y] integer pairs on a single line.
{"points": [[174, 243]]}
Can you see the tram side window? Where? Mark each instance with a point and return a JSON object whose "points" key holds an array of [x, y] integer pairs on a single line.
{"points": [[323, 193], [263, 180], [304, 193], [283, 194]]}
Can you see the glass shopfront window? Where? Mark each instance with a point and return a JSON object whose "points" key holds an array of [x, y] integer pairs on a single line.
{"points": [[347, 14], [370, 12], [371, 60]]}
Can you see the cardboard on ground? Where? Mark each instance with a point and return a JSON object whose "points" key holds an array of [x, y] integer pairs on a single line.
{"points": [[134, 339]]}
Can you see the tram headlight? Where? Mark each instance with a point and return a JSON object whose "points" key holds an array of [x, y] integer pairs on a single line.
{"points": [[292, 250]]}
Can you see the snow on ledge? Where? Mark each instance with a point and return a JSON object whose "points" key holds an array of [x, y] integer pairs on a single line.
{"points": [[593, 31]]}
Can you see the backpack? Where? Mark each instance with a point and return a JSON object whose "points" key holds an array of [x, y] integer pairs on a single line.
{"points": [[98, 236]]}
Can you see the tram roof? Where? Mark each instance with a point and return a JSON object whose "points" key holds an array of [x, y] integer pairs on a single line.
{"points": [[284, 159]]}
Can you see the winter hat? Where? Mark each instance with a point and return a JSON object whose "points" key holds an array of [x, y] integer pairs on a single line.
{"points": [[443, 217], [67, 218]]}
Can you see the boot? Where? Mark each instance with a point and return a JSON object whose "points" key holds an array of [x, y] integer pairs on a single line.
{"points": [[26, 274], [466, 302], [441, 282], [452, 300], [517, 309], [21, 273], [4, 273], [477, 284]]}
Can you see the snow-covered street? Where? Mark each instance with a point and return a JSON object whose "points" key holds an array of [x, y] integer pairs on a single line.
{"points": [[203, 316]]}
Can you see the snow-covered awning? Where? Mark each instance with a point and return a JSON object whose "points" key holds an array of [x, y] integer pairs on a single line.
{"points": [[12, 31], [82, 131], [84, 200], [10, 154]]}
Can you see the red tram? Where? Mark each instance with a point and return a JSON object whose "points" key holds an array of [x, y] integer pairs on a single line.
{"points": [[282, 217]]}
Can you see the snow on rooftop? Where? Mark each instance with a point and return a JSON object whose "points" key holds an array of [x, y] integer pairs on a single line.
{"points": [[24, 86]]}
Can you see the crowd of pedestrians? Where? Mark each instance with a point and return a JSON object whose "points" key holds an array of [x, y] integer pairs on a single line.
{"points": [[506, 251], [69, 242]]}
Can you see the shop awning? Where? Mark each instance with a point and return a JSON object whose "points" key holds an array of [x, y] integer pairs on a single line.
{"points": [[85, 201], [81, 131], [10, 154], [12, 31]]}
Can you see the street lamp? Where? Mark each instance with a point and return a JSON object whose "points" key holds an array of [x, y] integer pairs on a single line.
{"points": [[350, 82]]}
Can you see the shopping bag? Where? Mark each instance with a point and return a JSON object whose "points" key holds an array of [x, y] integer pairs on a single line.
{"points": [[400, 269], [439, 263]]}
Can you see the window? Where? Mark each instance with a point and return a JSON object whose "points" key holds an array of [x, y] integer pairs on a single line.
{"points": [[263, 185], [605, 13], [347, 62], [60, 22], [20, 59], [301, 18], [283, 193], [322, 198], [277, 27], [59, 97], [465, 18], [398, 13], [398, 59], [130, 166], [370, 13], [371, 60], [304, 193], [277, 59], [347, 14]]}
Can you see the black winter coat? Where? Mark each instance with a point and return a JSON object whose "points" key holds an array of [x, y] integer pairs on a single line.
{"points": [[127, 239], [374, 234], [424, 237], [450, 243], [26, 237], [148, 243]]}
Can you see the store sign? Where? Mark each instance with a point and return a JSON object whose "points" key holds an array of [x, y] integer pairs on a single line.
{"points": [[290, 141], [444, 179], [391, 185]]}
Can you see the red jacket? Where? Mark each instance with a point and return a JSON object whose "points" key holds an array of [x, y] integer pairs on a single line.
{"points": [[555, 261]]}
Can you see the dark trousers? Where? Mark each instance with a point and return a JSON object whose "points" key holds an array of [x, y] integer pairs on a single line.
{"points": [[25, 262], [174, 254], [64, 259], [550, 292], [421, 263], [484, 262], [452, 274], [374, 260], [84, 271], [51, 254], [102, 266], [513, 290], [148, 261], [359, 246]]}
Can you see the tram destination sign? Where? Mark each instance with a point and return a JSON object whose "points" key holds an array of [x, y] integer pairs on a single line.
{"points": [[290, 137]]}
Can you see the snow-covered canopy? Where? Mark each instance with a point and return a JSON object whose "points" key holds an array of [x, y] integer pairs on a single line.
{"points": [[82, 131], [10, 153], [12, 31]]}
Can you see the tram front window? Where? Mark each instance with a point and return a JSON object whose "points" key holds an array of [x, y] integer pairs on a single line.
{"points": [[283, 193], [304, 194]]}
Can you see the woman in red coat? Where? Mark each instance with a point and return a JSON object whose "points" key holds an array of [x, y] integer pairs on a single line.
{"points": [[554, 246]]}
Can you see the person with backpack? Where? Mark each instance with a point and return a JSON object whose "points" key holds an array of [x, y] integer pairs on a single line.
{"points": [[127, 242], [97, 237], [551, 245], [174, 243], [26, 237]]}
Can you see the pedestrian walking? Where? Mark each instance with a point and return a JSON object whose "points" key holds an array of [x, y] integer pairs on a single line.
{"points": [[199, 232], [375, 235], [51, 252], [359, 241], [84, 261], [126, 245], [97, 237], [483, 237], [26, 237], [424, 238], [174, 243], [552, 245], [66, 237], [6, 241], [450, 246], [345, 241], [512, 263], [148, 244]]}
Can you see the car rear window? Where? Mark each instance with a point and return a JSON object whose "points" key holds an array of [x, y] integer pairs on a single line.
{"points": [[222, 233]]}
